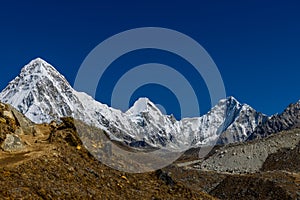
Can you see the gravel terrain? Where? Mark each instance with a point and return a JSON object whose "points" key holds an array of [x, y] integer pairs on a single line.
{"points": [[249, 157]]}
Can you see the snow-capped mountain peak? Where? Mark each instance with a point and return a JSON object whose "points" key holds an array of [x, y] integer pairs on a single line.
{"points": [[42, 94], [38, 68], [38, 64], [142, 105]]}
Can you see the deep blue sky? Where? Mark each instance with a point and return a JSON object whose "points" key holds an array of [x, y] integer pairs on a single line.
{"points": [[255, 44]]}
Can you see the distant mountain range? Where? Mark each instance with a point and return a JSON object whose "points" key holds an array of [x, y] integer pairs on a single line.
{"points": [[42, 94]]}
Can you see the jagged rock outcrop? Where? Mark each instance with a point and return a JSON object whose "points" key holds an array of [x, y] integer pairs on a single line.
{"points": [[9, 130], [289, 119]]}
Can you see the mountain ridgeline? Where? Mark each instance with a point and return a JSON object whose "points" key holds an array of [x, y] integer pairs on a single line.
{"points": [[42, 94], [289, 119]]}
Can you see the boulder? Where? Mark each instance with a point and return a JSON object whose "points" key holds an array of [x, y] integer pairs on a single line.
{"points": [[12, 143], [2, 120], [8, 114], [22, 121]]}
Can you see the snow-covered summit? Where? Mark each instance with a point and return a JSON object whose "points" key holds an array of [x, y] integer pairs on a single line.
{"points": [[142, 105], [40, 92], [38, 64], [43, 94]]}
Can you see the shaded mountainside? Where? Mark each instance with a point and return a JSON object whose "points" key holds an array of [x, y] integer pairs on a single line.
{"points": [[288, 119], [285, 159], [269, 185], [275, 185]]}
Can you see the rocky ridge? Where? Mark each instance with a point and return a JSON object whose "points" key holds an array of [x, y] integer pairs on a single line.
{"points": [[288, 119]]}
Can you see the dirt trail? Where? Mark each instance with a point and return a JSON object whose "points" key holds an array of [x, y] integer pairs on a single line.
{"points": [[35, 146]]}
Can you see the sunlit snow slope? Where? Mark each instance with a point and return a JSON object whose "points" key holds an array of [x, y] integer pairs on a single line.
{"points": [[43, 94]]}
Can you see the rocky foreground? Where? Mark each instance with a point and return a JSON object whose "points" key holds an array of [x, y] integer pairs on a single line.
{"points": [[48, 161]]}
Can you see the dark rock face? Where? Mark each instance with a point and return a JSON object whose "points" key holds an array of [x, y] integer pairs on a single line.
{"points": [[165, 177], [139, 144], [284, 159], [287, 120]]}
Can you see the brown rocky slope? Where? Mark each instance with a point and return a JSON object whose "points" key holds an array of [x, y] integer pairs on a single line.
{"points": [[49, 162]]}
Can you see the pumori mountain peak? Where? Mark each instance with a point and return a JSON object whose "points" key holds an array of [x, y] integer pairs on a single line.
{"points": [[42, 94], [40, 68], [37, 64]]}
